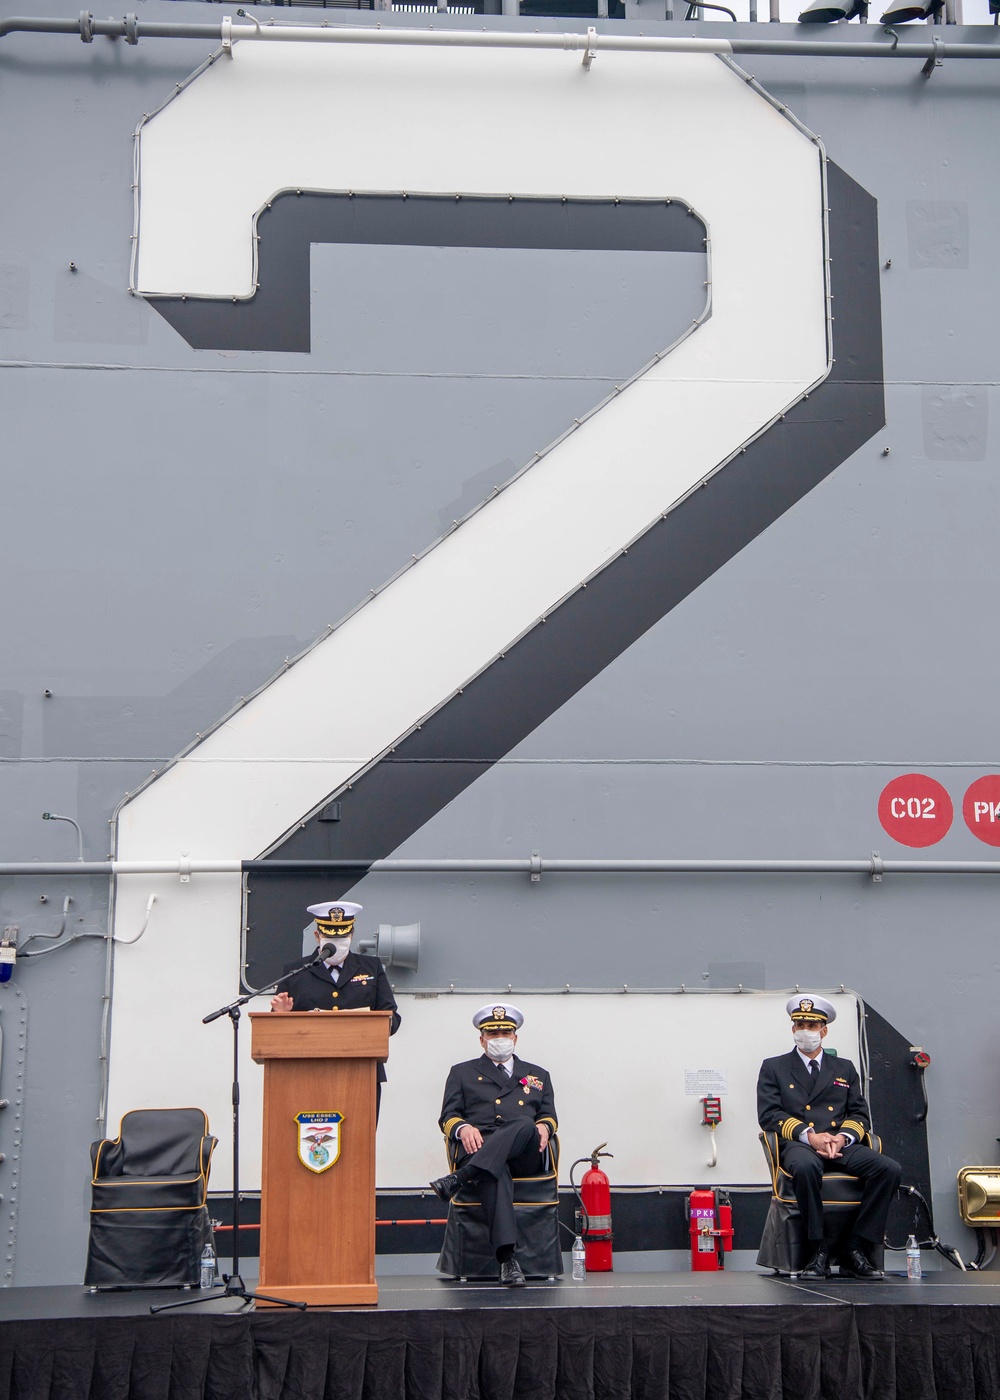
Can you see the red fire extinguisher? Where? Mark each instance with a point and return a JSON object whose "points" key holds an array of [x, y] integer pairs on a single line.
{"points": [[711, 1217], [595, 1200]]}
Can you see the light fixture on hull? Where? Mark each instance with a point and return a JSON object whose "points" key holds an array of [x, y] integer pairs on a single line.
{"points": [[902, 11], [398, 945], [830, 11]]}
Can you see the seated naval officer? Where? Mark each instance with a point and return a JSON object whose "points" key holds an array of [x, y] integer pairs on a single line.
{"points": [[815, 1104], [501, 1112], [344, 982]]}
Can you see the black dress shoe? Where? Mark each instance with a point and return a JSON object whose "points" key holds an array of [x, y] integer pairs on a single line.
{"points": [[855, 1265], [819, 1264], [510, 1274], [446, 1186]]}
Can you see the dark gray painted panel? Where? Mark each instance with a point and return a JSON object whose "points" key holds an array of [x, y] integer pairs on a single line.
{"points": [[499, 311], [62, 1079], [11, 723], [277, 316], [956, 422], [219, 528], [206, 546], [938, 233], [141, 726], [847, 635], [89, 311], [13, 298], [735, 974]]}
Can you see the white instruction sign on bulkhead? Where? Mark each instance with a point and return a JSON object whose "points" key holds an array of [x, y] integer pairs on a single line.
{"points": [[699, 1082]]}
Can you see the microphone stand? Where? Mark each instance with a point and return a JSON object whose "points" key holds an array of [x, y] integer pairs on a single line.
{"points": [[233, 1283]]}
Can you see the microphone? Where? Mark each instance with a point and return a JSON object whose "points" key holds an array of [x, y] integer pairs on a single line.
{"points": [[326, 952]]}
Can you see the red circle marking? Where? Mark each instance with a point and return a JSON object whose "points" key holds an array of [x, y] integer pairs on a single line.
{"points": [[916, 810], [981, 809]]}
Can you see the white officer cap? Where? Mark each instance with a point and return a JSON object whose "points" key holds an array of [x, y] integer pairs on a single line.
{"points": [[498, 1016], [322, 911], [809, 1008]]}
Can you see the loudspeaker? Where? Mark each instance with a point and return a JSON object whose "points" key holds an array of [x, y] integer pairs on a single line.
{"points": [[398, 945], [979, 1196]]}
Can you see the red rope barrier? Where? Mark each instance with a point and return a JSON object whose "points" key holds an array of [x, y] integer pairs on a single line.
{"points": [[219, 1229]]}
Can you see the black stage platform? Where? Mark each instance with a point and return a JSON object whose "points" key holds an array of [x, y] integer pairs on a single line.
{"points": [[736, 1336]]}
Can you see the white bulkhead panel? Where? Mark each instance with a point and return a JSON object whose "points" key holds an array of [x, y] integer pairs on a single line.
{"points": [[631, 1088]]}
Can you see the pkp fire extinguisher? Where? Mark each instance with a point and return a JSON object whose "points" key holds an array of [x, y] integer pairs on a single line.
{"points": [[594, 1195], [711, 1217]]}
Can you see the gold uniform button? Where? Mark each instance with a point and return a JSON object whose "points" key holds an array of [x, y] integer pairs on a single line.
{"points": [[336, 994], [791, 1086], [829, 1108], [808, 1107], [498, 1100], [520, 1103], [480, 1079]]}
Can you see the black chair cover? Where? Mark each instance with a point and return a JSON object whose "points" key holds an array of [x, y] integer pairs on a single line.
{"points": [[467, 1252], [149, 1220]]}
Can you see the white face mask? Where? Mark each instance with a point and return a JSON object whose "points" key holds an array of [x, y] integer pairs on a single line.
{"points": [[807, 1041], [500, 1048], [343, 947]]}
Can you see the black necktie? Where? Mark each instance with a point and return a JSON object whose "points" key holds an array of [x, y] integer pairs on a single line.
{"points": [[813, 1069]]}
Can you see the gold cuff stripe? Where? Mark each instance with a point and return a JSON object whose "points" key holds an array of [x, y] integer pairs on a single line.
{"points": [[859, 1130], [478, 1205], [122, 1181], [142, 1210], [790, 1127], [555, 1125], [449, 1125]]}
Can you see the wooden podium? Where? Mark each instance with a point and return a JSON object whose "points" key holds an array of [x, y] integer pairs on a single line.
{"points": [[317, 1227]]}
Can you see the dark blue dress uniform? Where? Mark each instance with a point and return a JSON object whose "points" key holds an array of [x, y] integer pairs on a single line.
{"points": [[481, 1092], [788, 1101], [506, 1110], [362, 983]]}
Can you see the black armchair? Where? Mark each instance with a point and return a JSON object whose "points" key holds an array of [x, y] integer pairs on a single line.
{"points": [[782, 1243], [149, 1220]]}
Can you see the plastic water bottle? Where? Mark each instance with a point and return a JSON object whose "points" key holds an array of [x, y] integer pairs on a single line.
{"points": [[579, 1260], [206, 1277], [913, 1269]]}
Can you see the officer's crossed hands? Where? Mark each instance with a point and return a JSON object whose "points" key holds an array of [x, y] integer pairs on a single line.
{"points": [[828, 1145]]}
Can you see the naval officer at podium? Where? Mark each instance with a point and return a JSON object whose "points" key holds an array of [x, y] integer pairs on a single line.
{"points": [[344, 982]]}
